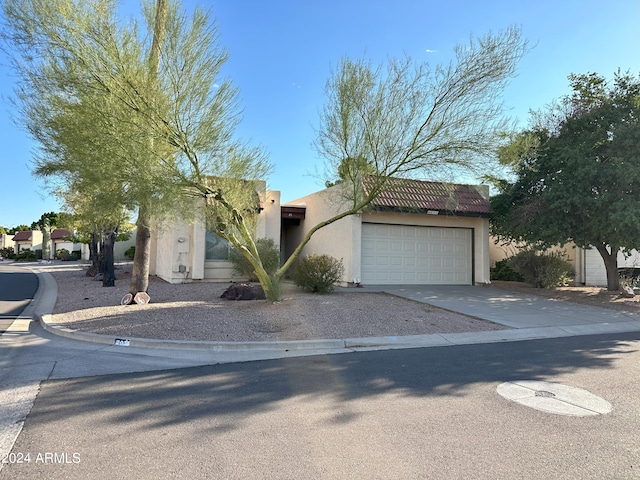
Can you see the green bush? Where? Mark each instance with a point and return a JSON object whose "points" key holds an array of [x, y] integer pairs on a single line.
{"points": [[26, 255], [7, 252], [269, 256], [502, 271], [317, 273], [542, 270], [63, 254], [130, 252]]}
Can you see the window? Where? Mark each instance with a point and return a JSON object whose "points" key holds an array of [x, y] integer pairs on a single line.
{"points": [[216, 248]]}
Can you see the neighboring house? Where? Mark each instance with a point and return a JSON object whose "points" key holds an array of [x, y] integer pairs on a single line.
{"points": [[6, 241], [416, 233], [27, 240], [588, 263], [59, 240], [119, 248], [590, 266]]}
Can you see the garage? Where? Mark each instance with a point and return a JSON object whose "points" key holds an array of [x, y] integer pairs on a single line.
{"points": [[406, 254]]}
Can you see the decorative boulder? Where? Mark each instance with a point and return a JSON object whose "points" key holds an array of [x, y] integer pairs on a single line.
{"points": [[244, 291]]}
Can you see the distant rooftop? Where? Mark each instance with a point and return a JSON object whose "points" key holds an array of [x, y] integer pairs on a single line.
{"points": [[22, 236], [60, 233]]}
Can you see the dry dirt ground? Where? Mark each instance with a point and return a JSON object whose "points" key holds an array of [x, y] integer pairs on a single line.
{"points": [[596, 296], [195, 311]]}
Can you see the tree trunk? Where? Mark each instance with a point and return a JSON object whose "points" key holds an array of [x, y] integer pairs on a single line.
{"points": [[142, 255], [46, 243], [101, 255], [93, 251], [109, 277], [141, 258], [610, 257]]}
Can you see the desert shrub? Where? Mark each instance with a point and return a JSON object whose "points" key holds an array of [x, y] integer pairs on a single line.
{"points": [[26, 255], [130, 252], [317, 273], [269, 255], [542, 270], [6, 252], [502, 271], [63, 254]]}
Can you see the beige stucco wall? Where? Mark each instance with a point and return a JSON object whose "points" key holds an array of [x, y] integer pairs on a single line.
{"points": [[343, 239], [6, 241], [34, 244], [179, 248], [501, 250], [588, 264]]}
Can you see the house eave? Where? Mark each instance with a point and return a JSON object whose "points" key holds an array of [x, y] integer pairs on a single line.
{"points": [[434, 212]]}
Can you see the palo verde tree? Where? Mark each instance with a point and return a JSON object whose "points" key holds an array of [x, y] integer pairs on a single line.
{"points": [[577, 172], [409, 119], [402, 121], [140, 102]]}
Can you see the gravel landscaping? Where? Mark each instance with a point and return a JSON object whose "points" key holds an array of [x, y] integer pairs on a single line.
{"points": [[195, 311]]}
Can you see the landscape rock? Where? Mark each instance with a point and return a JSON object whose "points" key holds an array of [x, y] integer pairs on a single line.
{"points": [[244, 291], [627, 292]]}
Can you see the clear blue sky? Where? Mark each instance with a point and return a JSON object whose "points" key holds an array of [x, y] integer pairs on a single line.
{"points": [[282, 51]]}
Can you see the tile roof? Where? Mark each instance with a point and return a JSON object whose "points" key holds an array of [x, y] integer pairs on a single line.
{"points": [[59, 233], [423, 196], [22, 236]]}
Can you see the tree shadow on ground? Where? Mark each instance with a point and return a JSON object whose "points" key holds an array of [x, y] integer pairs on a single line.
{"points": [[233, 392]]}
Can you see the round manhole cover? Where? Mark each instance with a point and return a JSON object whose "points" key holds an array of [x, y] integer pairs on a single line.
{"points": [[554, 398]]}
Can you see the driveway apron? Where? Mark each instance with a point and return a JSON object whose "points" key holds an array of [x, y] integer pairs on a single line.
{"points": [[515, 310]]}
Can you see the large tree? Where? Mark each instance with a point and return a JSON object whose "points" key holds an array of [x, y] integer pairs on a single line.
{"points": [[136, 109], [577, 172]]}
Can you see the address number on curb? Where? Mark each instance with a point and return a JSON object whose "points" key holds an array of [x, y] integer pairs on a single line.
{"points": [[121, 342]]}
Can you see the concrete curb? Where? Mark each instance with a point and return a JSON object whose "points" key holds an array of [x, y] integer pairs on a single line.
{"points": [[44, 301], [353, 344], [188, 344]]}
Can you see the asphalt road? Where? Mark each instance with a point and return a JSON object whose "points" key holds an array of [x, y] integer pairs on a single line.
{"points": [[17, 288], [421, 413]]}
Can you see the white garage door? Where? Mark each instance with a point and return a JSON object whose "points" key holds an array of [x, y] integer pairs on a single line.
{"points": [[402, 254]]}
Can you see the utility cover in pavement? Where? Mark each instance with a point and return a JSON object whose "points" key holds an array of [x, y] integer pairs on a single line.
{"points": [[554, 398]]}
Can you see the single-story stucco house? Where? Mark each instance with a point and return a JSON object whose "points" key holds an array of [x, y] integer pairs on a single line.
{"points": [[27, 240], [6, 241], [416, 232], [60, 240]]}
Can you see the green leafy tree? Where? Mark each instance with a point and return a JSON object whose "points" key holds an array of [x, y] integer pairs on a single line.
{"points": [[578, 172], [93, 83]]}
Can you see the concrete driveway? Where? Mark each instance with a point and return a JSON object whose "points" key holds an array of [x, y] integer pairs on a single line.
{"points": [[515, 310]]}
